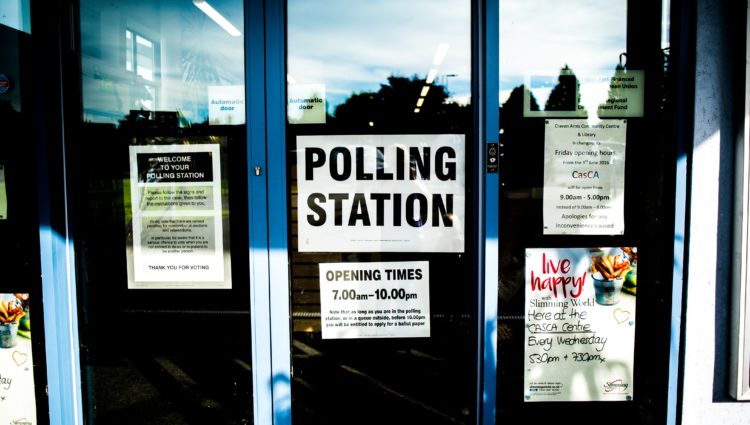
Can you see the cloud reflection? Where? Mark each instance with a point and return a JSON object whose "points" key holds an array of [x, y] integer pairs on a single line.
{"points": [[352, 50], [348, 49], [541, 37]]}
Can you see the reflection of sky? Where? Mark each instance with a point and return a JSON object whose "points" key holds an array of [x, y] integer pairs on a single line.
{"points": [[349, 49], [180, 31], [541, 37], [355, 49]]}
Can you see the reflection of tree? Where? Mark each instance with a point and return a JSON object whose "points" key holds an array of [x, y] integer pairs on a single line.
{"points": [[521, 173], [204, 63], [564, 96], [614, 91], [392, 107], [523, 141], [198, 68]]}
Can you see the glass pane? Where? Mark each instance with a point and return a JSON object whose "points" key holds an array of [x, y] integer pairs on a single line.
{"points": [[161, 185], [22, 353], [380, 141], [585, 209]]}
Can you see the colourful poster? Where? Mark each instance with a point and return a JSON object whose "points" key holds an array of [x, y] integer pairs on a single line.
{"points": [[381, 193], [177, 222], [17, 397], [584, 177], [580, 324], [375, 300]]}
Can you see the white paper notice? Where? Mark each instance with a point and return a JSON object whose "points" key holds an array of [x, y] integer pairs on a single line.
{"points": [[580, 327], [306, 103], [226, 105], [381, 193], [375, 300], [584, 177], [177, 217], [605, 94], [17, 397], [625, 95], [3, 195]]}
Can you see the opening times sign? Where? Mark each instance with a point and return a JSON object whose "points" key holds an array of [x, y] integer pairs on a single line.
{"points": [[584, 177], [375, 300], [177, 217], [381, 193], [580, 326]]}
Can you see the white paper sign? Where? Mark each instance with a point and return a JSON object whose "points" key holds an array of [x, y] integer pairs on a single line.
{"points": [[17, 397], [625, 95], [580, 327], [306, 103], [375, 300], [565, 94], [177, 217], [584, 177], [3, 195], [381, 193], [226, 105]]}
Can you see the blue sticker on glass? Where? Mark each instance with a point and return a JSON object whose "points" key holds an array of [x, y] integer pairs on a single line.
{"points": [[4, 83]]}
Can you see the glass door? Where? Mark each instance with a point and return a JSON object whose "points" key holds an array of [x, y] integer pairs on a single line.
{"points": [[586, 211], [23, 383], [379, 143], [160, 175]]}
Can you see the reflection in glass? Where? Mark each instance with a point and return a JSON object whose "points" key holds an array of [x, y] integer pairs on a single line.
{"points": [[380, 40], [160, 56], [542, 42]]}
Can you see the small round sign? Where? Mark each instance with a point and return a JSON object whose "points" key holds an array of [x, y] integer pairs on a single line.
{"points": [[4, 84]]}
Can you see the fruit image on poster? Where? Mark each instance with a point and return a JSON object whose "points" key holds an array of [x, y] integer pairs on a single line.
{"points": [[580, 324], [17, 398]]}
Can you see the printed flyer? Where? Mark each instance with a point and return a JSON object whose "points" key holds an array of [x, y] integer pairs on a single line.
{"points": [[17, 397], [580, 324], [565, 94], [375, 300], [177, 227], [584, 177], [381, 193]]}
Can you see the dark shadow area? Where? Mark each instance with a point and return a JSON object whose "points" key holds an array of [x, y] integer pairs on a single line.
{"points": [[730, 126], [188, 350]]}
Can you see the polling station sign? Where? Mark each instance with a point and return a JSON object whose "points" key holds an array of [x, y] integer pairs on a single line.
{"points": [[381, 193]]}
